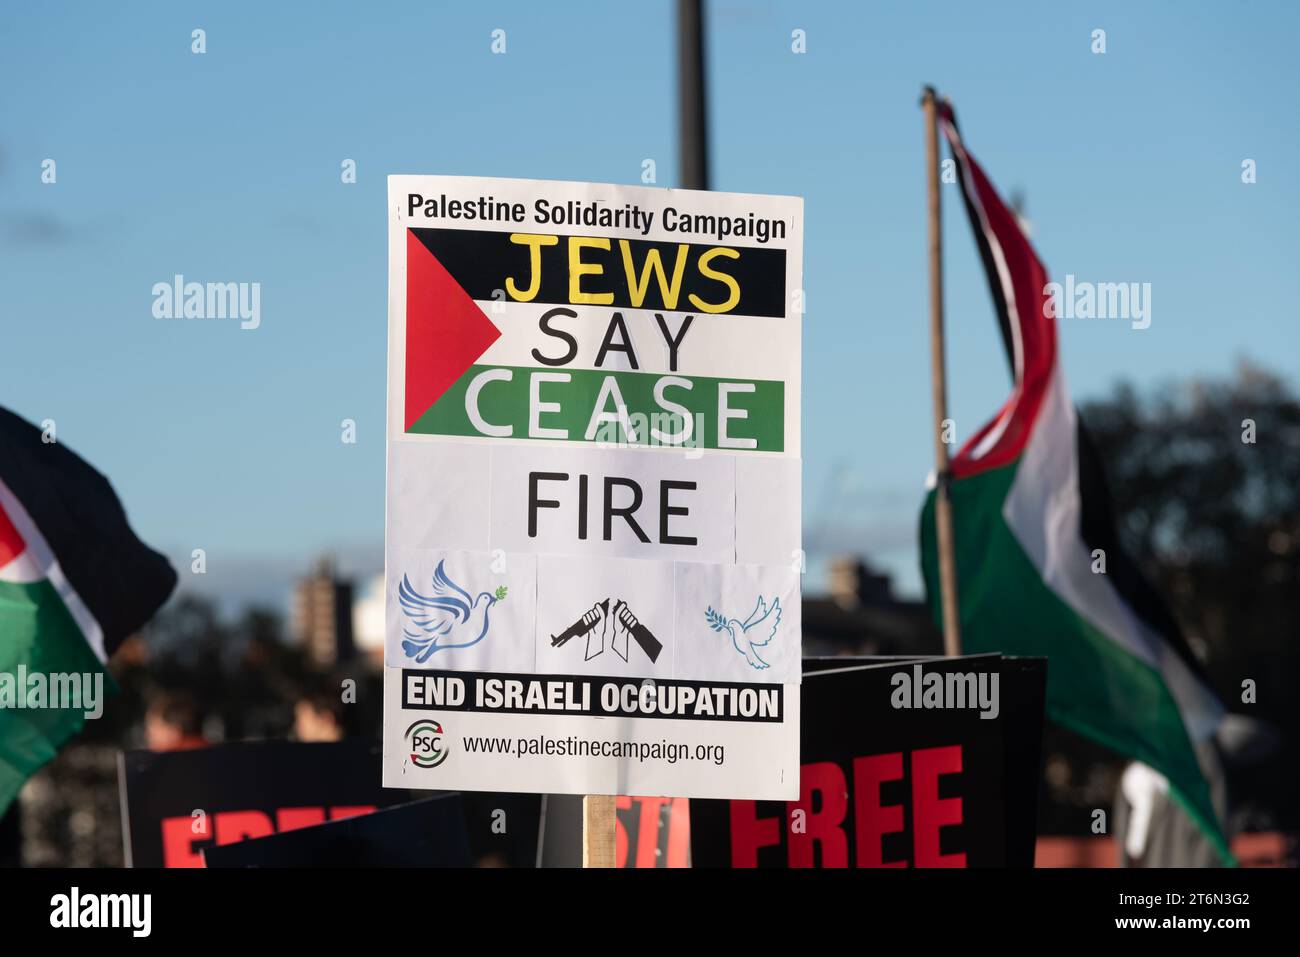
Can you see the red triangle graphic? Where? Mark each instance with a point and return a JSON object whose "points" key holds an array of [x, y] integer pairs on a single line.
{"points": [[11, 542], [445, 331]]}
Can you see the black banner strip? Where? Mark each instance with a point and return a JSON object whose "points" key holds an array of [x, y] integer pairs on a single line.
{"points": [[587, 696], [482, 261]]}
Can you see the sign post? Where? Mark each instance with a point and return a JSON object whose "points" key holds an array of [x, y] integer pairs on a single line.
{"points": [[592, 557], [598, 830]]}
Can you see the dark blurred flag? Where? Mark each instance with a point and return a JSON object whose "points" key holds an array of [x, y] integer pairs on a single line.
{"points": [[74, 583], [1039, 568]]}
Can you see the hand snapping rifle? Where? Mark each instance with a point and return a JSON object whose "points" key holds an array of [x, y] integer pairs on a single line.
{"points": [[597, 624]]}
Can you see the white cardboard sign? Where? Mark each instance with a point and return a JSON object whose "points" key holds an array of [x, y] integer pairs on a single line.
{"points": [[592, 564]]}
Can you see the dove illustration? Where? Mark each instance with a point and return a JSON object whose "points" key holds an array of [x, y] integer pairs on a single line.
{"points": [[744, 643], [449, 619]]}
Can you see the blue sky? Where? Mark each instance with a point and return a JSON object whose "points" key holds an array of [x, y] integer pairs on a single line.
{"points": [[225, 166]]}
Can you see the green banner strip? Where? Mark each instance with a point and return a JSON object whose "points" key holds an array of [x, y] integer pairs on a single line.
{"points": [[502, 395]]}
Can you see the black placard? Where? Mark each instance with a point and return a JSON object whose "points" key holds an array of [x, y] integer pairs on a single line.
{"points": [[895, 787], [176, 804], [428, 833]]}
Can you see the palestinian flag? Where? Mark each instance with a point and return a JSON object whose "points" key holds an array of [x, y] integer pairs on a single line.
{"points": [[74, 583], [1030, 507]]}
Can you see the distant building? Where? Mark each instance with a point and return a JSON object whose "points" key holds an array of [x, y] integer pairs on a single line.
{"points": [[859, 615], [368, 618], [322, 616]]}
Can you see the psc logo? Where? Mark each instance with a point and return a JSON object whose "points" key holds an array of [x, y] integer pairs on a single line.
{"points": [[427, 749]]}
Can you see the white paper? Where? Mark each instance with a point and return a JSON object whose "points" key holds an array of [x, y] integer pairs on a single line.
{"points": [[703, 486], [737, 623], [463, 611], [617, 600]]}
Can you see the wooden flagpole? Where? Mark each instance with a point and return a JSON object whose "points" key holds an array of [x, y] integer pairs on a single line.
{"points": [[939, 387], [598, 830]]}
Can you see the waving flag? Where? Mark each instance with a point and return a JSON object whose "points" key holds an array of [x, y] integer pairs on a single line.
{"points": [[74, 583], [1030, 510]]}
